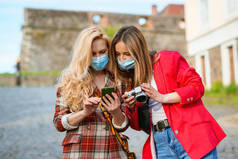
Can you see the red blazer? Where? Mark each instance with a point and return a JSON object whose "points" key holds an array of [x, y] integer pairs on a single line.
{"points": [[195, 128]]}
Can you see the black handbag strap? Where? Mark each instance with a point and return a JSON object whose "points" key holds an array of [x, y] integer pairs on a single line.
{"points": [[144, 117], [143, 111]]}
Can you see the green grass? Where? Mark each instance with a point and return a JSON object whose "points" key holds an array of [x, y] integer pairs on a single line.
{"points": [[214, 101], [221, 95], [34, 73], [41, 73]]}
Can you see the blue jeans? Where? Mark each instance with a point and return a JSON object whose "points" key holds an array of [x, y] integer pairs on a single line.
{"points": [[168, 147]]}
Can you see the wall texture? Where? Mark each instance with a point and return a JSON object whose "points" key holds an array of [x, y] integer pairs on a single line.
{"points": [[48, 35]]}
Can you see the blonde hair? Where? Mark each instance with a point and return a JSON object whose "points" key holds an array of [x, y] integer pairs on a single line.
{"points": [[75, 83], [136, 44]]}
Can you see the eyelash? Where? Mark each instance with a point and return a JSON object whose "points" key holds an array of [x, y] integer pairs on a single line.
{"points": [[124, 54], [103, 52]]}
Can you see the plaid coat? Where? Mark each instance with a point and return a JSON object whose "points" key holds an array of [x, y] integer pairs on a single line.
{"points": [[93, 138]]}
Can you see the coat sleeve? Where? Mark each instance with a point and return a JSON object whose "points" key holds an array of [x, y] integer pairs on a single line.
{"points": [[60, 110], [132, 115], [190, 86]]}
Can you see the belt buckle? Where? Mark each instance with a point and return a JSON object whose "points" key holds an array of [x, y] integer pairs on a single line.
{"points": [[160, 126], [160, 130]]}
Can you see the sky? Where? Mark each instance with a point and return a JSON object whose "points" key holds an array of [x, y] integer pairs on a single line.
{"points": [[12, 19]]}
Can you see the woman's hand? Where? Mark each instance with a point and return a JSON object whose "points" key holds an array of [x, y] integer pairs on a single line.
{"points": [[129, 101], [91, 105], [88, 108], [112, 104], [169, 98], [152, 93]]}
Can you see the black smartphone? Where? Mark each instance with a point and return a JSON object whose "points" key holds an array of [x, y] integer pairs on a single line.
{"points": [[107, 90]]}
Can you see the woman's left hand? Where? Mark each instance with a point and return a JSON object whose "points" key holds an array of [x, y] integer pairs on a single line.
{"points": [[112, 104], [152, 93]]}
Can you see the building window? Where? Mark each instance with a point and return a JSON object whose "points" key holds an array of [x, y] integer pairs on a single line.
{"points": [[203, 68], [181, 24], [204, 14], [145, 23], [100, 19], [142, 21], [96, 19], [229, 62], [231, 59]]}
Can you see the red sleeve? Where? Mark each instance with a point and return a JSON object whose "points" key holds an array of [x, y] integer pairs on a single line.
{"points": [[133, 116], [190, 84]]}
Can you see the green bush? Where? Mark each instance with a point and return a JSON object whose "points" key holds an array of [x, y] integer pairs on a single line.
{"points": [[231, 89], [219, 90], [111, 30], [221, 95], [217, 87]]}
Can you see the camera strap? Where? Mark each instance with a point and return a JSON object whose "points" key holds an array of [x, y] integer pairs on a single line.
{"points": [[122, 140]]}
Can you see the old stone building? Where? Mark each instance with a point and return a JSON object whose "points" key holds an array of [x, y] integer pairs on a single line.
{"points": [[48, 36]]}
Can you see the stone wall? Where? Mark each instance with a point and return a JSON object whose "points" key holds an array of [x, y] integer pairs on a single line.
{"points": [[39, 80], [8, 80], [46, 50], [48, 35]]}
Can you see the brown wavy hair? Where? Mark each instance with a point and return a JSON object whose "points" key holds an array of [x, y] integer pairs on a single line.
{"points": [[136, 44]]}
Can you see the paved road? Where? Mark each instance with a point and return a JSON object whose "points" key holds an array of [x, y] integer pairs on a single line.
{"points": [[27, 131]]}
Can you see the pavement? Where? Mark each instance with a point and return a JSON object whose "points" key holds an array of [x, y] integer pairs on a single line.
{"points": [[27, 130]]}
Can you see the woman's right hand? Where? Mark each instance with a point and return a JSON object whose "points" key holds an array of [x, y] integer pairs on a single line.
{"points": [[91, 105], [88, 108], [129, 101]]}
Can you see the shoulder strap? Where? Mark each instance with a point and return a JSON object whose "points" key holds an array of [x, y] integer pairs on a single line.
{"points": [[144, 117], [124, 143]]}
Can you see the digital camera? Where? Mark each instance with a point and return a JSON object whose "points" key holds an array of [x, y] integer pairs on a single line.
{"points": [[138, 93]]}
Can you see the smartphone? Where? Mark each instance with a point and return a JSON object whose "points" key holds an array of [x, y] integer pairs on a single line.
{"points": [[107, 90]]}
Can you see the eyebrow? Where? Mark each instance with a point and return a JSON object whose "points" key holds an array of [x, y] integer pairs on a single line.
{"points": [[103, 50]]}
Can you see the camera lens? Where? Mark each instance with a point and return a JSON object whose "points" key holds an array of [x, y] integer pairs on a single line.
{"points": [[141, 98]]}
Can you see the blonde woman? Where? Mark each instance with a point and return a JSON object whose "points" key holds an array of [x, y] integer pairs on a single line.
{"points": [[179, 124], [88, 134]]}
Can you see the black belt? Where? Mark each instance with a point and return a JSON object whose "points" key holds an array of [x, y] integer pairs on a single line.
{"points": [[161, 125]]}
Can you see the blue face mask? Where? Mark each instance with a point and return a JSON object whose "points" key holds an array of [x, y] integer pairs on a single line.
{"points": [[127, 64], [99, 63]]}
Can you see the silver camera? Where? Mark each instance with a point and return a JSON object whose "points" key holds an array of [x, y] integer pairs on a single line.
{"points": [[138, 93]]}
